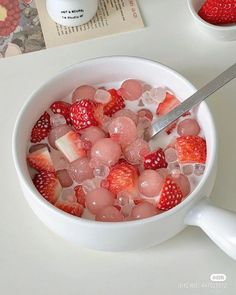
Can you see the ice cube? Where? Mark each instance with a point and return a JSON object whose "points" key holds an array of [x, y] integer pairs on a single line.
{"points": [[57, 120], [199, 169]]}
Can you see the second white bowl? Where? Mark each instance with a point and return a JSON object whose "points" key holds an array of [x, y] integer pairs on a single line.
{"points": [[224, 33]]}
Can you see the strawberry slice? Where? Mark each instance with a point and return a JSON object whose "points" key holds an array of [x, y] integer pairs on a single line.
{"points": [[41, 129], [48, 185], [155, 160], [171, 195], [71, 208], [83, 114], [171, 128], [218, 12], [116, 104], [41, 160], [169, 103], [62, 108], [191, 149], [80, 195], [71, 146], [122, 177]]}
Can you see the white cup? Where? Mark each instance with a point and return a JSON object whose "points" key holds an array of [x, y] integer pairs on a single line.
{"points": [[195, 210], [72, 13]]}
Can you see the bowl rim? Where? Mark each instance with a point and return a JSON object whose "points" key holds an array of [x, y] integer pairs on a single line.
{"points": [[206, 24], [24, 181]]}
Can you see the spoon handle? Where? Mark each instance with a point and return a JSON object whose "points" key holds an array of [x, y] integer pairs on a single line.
{"points": [[192, 101]]}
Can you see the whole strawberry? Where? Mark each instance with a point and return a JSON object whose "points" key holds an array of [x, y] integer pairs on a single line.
{"points": [[218, 12], [84, 114]]}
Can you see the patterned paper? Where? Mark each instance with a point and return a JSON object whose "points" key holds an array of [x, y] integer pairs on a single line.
{"points": [[25, 25]]}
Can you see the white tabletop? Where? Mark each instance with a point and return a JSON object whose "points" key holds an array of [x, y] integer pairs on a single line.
{"points": [[33, 260]]}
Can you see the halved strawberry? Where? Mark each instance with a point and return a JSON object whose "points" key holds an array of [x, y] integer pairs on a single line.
{"points": [[41, 129], [71, 146], [116, 104], [218, 12], [122, 177], [191, 149], [155, 160], [169, 103], [71, 208], [83, 114], [48, 185], [171, 195], [62, 108], [80, 195], [41, 160]]}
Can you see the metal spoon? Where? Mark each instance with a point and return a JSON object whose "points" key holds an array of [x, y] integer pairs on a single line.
{"points": [[190, 102]]}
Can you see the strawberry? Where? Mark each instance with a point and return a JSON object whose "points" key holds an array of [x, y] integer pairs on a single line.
{"points": [[116, 104], [62, 108], [169, 103], [122, 177], [9, 16], [48, 185], [41, 128], [83, 114], [155, 160], [171, 195], [191, 149], [138, 201], [171, 128], [218, 12], [80, 195], [41, 160], [71, 208]]}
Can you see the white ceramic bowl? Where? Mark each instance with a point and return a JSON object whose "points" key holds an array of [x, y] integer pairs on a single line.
{"points": [[224, 33], [134, 234]]}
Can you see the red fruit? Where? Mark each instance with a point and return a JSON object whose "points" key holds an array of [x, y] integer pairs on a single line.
{"points": [[218, 12], [9, 16], [41, 160], [169, 103], [116, 104], [155, 160], [80, 195], [41, 129], [171, 128], [122, 177], [191, 149], [71, 208], [138, 201], [83, 114], [62, 108], [48, 185], [171, 195]]}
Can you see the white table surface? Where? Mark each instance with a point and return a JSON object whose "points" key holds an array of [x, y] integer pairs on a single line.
{"points": [[33, 260]]}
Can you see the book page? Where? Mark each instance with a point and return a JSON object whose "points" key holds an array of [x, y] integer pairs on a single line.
{"points": [[113, 16], [32, 29]]}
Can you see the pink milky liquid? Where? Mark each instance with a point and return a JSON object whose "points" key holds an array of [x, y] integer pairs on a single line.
{"points": [[104, 207]]}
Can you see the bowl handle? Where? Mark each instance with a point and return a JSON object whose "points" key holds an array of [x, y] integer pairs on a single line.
{"points": [[218, 224]]}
